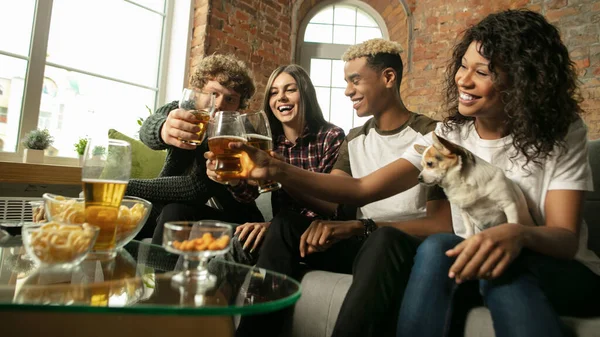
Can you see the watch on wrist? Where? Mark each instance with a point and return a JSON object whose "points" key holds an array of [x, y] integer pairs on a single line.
{"points": [[369, 227]]}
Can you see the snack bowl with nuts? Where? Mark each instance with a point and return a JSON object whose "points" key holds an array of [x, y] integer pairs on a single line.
{"points": [[54, 244], [197, 241], [133, 214]]}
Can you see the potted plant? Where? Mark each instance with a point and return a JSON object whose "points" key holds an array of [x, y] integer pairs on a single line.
{"points": [[80, 148], [98, 151], [35, 143]]}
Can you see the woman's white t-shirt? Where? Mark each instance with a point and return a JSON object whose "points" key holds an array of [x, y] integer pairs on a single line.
{"points": [[569, 170]]}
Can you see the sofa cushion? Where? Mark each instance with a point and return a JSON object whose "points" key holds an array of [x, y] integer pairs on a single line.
{"points": [[145, 162], [317, 309]]}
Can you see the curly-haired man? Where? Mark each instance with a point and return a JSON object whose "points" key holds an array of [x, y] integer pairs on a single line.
{"points": [[182, 186]]}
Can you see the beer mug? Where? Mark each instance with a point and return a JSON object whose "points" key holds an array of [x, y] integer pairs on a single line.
{"points": [[202, 105], [226, 127], [105, 174], [258, 133]]}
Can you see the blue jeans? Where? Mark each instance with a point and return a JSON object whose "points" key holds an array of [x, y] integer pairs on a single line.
{"points": [[526, 300]]}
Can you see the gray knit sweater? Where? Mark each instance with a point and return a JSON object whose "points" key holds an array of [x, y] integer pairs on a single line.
{"points": [[183, 178]]}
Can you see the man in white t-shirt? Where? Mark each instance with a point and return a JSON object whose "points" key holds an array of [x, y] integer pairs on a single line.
{"points": [[373, 72]]}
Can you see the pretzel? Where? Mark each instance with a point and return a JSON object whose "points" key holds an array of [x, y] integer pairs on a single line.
{"points": [[56, 243], [73, 212], [129, 218]]}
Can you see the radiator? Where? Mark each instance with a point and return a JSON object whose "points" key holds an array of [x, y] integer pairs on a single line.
{"points": [[17, 209]]}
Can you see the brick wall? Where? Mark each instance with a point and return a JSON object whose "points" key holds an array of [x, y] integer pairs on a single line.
{"points": [[260, 33], [256, 31], [435, 28]]}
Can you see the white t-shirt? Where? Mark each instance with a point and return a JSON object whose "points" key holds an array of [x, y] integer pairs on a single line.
{"points": [[567, 171], [367, 149]]}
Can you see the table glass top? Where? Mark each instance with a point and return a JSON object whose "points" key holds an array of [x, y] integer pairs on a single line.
{"points": [[138, 280]]}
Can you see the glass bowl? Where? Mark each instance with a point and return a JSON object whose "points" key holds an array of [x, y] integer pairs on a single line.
{"points": [[113, 283], [197, 241], [133, 214], [58, 245]]}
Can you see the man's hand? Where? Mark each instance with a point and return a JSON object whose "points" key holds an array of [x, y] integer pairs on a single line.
{"points": [[320, 235], [252, 233], [212, 174], [487, 254], [180, 125]]}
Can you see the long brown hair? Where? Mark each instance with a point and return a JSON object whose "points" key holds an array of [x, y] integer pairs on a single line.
{"points": [[309, 110]]}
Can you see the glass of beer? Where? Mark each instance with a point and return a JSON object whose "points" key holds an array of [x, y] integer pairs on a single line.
{"points": [[105, 174], [202, 105], [259, 136], [226, 127]]}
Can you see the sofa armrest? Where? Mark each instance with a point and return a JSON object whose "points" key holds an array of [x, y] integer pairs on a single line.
{"points": [[317, 309]]}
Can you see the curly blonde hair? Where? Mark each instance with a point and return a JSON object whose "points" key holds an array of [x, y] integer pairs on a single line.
{"points": [[380, 54], [229, 71]]}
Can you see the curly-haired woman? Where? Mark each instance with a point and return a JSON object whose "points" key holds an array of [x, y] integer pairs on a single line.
{"points": [[512, 95], [512, 100], [183, 187]]}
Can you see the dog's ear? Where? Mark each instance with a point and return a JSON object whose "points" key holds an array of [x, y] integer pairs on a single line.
{"points": [[442, 145], [443, 142], [420, 148], [452, 148]]}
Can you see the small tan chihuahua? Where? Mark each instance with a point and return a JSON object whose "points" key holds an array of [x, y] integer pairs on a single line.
{"points": [[485, 196]]}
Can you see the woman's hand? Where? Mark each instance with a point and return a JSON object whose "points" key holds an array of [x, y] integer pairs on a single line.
{"points": [[252, 233], [258, 164], [180, 125], [486, 254], [212, 174]]}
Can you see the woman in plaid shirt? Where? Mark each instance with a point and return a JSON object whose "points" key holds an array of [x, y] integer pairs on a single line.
{"points": [[302, 137]]}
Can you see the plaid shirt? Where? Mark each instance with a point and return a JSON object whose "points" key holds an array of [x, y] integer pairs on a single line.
{"points": [[313, 151]]}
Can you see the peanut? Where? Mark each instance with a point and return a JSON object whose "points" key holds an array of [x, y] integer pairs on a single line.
{"points": [[206, 242]]}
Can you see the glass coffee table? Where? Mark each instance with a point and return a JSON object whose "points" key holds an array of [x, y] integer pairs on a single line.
{"points": [[133, 293]]}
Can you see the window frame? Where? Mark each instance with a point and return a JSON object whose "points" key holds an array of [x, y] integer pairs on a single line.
{"points": [[173, 66], [307, 50]]}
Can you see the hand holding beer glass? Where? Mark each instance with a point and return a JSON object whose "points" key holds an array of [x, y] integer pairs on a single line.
{"points": [[202, 105], [259, 136], [226, 127], [105, 174]]}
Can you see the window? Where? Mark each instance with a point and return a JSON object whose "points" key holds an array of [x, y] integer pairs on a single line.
{"points": [[81, 67], [328, 32]]}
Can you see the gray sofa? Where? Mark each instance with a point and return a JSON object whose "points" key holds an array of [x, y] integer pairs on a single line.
{"points": [[323, 292]]}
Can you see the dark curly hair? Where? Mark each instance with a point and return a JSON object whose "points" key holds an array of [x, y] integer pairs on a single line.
{"points": [[540, 91]]}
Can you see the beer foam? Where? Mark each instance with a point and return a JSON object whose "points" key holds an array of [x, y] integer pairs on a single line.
{"points": [[257, 136], [103, 181], [232, 138]]}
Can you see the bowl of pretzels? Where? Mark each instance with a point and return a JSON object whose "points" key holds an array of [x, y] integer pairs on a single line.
{"points": [[133, 214], [58, 245]]}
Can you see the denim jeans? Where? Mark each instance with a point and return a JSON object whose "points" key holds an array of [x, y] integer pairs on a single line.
{"points": [[526, 300]]}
